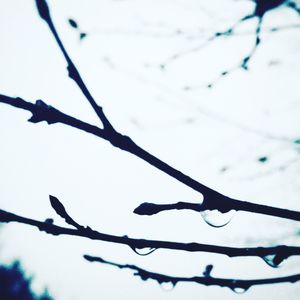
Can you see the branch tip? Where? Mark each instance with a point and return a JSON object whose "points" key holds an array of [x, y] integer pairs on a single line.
{"points": [[61, 211], [43, 9]]}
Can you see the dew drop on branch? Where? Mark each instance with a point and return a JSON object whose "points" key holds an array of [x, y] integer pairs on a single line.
{"points": [[144, 251], [273, 260], [239, 290], [167, 286], [217, 219]]}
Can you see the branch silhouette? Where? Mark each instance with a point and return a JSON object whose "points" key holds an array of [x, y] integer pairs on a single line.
{"points": [[213, 200], [237, 285], [127, 144], [272, 255], [261, 8], [44, 13]]}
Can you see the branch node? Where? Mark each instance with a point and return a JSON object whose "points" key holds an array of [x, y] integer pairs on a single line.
{"points": [[43, 112]]}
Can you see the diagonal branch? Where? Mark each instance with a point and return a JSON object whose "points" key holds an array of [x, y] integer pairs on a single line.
{"points": [[237, 285], [44, 12], [212, 199], [271, 255]]}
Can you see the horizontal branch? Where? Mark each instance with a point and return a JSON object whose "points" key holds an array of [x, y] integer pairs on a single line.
{"points": [[237, 285], [149, 209], [212, 199], [272, 255]]}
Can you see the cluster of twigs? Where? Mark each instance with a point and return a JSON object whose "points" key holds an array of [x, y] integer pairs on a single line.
{"points": [[261, 7], [212, 199]]}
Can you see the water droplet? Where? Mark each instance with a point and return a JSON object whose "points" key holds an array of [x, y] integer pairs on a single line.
{"points": [[274, 260], [144, 251], [240, 290], [167, 286], [217, 219]]}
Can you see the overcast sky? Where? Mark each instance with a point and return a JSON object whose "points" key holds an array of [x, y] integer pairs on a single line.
{"points": [[216, 135]]}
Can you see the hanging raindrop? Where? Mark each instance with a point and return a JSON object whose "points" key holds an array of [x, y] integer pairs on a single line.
{"points": [[274, 260], [240, 290], [167, 286], [217, 219], [144, 251]]}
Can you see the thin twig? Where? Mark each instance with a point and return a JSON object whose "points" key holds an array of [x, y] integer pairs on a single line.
{"points": [[44, 12], [226, 33], [261, 8], [244, 64]]}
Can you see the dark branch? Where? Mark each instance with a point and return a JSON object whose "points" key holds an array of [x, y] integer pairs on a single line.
{"points": [[41, 111], [44, 12], [237, 285], [149, 209], [278, 253], [212, 199]]}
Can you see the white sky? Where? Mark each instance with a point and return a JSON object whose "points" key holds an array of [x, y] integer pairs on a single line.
{"points": [[198, 131]]}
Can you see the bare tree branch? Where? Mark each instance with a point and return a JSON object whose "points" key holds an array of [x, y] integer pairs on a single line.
{"points": [[44, 12], [149, 209], [212, 199], [276, 254], [127, 144], [237, 285]]}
